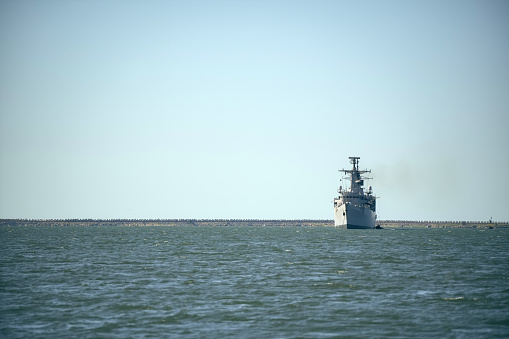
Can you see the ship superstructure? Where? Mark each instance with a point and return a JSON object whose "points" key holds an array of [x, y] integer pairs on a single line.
{"points": [[354, 208]]}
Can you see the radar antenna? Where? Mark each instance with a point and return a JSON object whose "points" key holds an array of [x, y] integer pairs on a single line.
{"points": [[355, 175]]}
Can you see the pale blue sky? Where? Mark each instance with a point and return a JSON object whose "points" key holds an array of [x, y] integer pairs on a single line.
{"points": [[247, 109]]}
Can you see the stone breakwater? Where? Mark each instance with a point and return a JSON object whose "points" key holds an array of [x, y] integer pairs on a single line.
{"points": [[245, 222]]}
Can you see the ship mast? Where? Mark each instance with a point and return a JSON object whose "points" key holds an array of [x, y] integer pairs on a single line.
{"points": [[355, 176]]}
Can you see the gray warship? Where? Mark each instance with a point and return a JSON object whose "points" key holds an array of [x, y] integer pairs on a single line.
{"points": [[354, 208]]}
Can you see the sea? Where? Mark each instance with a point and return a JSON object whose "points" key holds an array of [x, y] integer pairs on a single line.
{"points": [[252, 282]]}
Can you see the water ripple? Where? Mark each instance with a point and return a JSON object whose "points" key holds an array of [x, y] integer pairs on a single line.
{"points": [[252, 282]]}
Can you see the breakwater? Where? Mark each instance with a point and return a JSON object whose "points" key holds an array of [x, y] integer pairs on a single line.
{"points": [[245, 222]]}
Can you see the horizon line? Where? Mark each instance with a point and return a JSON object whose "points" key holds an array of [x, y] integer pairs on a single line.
{"points": [[235, 220]]}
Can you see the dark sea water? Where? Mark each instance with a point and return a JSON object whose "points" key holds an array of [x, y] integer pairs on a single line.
{"points": [[253, 282]]}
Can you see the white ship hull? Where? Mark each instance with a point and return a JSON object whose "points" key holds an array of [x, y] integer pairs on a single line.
{"points": [[353, 217]]}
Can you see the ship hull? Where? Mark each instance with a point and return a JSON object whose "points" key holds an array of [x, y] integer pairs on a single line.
{"points": [[354, 217]]}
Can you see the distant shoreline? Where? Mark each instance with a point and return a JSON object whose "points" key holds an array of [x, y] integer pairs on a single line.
{"points": [[245, 222]]}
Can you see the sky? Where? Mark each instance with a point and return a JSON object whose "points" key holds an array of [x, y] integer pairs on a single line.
{"points": [[248, 109]]}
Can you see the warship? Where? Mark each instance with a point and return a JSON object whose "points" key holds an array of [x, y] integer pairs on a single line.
{"points": [[354, 208]]}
